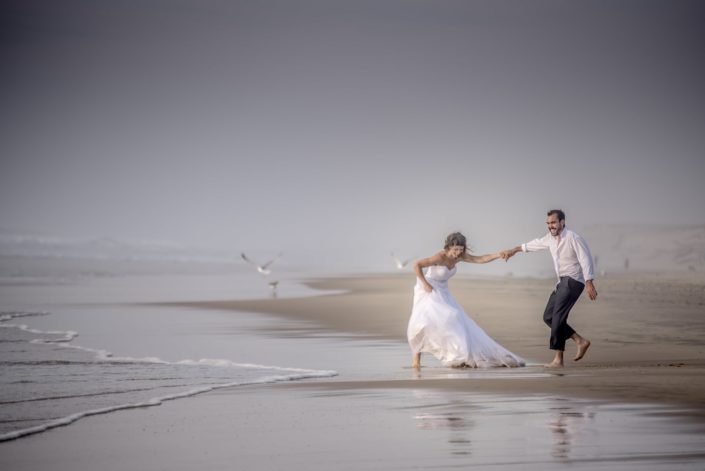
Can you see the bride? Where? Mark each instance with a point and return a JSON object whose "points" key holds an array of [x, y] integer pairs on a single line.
{"points": [[438, 325]]}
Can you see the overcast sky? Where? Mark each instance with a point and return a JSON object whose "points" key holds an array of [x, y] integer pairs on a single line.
{"points": [[361, 125]]}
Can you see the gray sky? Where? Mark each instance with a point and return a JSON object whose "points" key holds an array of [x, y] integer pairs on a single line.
{"points": [[362, 125]]}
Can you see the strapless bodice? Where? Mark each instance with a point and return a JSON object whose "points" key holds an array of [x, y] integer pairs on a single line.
{"points": [[440, 272]]}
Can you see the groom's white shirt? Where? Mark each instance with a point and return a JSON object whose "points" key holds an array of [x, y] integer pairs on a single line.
{"points": [[571, 256]]}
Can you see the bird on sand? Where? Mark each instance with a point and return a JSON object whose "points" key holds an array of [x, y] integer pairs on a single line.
{"points": [[273, 286], [263, 267]]}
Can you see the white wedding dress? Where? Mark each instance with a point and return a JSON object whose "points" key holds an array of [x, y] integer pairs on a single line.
{"points": [[439, 326]]}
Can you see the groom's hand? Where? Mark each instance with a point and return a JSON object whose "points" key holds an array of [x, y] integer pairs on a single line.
{"points": [[506, 254], [592, 292]]}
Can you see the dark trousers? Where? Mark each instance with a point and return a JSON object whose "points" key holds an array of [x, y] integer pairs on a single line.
{"points": [[558, 307]]}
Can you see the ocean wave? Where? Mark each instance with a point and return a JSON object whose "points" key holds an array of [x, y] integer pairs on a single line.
{"points": [[197, 375], [158, 401]]}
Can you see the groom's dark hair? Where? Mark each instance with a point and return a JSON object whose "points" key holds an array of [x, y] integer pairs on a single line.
{"points": [[557, 212]]}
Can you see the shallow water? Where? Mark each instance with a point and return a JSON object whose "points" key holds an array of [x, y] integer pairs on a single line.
{"points": [[66, 359], [48, 380], [134, 355]]}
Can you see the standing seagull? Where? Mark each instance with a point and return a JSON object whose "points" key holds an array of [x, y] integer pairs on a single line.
{"points": [[273, 287], [400, 263], [261, 268]]}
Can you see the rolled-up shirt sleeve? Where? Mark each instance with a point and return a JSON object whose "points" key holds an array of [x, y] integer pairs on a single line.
{"points": [[584, 257], [535, 245]]}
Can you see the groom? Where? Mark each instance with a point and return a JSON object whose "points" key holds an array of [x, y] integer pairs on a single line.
{"points": [[573, 264]]}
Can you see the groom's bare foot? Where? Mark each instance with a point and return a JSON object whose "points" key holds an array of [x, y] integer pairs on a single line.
{"points": [[583, 346], [557, 360]]}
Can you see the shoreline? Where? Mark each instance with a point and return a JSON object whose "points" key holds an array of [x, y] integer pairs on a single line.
{"points": [[637, 354], [631, 402]]}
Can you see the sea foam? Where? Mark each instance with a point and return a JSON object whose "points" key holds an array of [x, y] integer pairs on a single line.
{"points": [[52, 377]]}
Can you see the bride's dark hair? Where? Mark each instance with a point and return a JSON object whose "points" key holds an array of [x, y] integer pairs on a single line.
{"points": [[456, 238]]}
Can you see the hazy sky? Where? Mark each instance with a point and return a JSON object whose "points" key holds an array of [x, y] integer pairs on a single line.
{"points": [[361, 125]]}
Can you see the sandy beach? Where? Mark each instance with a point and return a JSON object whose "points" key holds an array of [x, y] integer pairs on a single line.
{"points": [[646, 331], [211, 211], [636, 401]]}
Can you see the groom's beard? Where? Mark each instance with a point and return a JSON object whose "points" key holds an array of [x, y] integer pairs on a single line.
{"points": [[556, 231]]}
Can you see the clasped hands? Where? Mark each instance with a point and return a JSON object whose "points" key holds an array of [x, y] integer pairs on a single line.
{"points": [[507, 254]]}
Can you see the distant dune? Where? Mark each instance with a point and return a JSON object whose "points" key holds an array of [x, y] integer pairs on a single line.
{"points": [[647, 248]]}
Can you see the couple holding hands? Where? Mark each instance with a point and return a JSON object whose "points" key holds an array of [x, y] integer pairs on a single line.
{"points": [[438, 324]]}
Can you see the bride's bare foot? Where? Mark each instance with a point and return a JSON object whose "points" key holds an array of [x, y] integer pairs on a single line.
{"points": [[416, 361], [583, 345]]}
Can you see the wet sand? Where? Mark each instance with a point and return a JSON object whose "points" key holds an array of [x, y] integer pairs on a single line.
{"points": [[636, 402], [280, 428], [646, 331]]}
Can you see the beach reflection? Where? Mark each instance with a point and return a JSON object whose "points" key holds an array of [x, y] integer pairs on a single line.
{"points": [[566, 424], [452, 417], [483, 425], [456, 426]]}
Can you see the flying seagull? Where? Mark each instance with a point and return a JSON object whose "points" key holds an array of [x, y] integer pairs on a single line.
{"points": [[400, 263], [261, 268]]}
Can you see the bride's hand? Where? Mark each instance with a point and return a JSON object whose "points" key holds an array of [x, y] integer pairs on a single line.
{"points": [[428, 288]]}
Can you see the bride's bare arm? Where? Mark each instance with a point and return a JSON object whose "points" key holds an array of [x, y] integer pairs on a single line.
{"points": [[419, 265], [481, 258]]}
